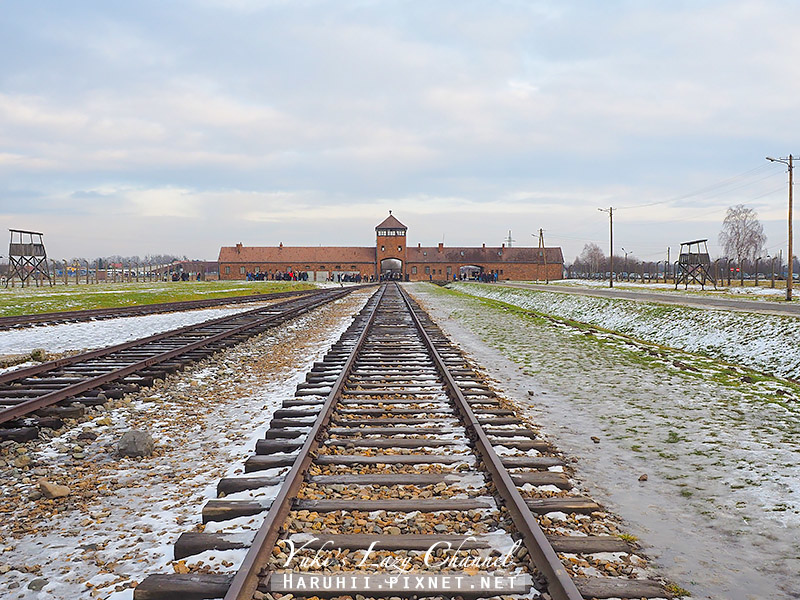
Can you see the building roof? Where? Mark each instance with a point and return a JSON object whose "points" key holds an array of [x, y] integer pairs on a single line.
{"points": [[480, 256], [298, 255], [391, 222]]}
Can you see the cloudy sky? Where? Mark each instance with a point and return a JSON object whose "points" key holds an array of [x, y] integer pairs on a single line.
{"points": [[148, 127]]}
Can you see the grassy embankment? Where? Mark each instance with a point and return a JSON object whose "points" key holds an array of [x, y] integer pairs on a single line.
{"points": [[764, 291], [702, 366], [19, 301]]}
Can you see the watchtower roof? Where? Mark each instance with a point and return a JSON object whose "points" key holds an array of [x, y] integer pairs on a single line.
{"points": [[391, 222]]}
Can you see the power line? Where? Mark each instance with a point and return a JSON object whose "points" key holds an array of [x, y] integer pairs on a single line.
{"points": [[707, 189]]}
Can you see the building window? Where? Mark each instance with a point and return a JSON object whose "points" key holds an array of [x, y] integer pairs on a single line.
{"points": [[241, 270], [427, 270], [227, 270], [383, 248], [399, 248], [391, 232], [501, 271], [413, 270], [424, 254], [449, 271]]}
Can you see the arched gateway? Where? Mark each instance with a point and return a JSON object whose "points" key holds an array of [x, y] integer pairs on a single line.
{"points": [[390, 248]]}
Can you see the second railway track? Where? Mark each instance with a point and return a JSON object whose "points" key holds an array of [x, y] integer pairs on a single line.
{"points": [[42, 395], [407, 478], [96, 314]]}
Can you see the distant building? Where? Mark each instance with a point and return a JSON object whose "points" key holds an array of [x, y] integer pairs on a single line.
{"points": [[391, 258], [208, 270]]}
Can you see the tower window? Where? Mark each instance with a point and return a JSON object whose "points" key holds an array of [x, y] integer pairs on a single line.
{"points": [[399, 248]]}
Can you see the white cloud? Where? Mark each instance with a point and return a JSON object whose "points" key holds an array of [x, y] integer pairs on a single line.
{"points": [[243, 116]]}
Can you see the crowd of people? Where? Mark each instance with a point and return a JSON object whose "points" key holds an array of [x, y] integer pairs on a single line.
{"points": [[485, 277], [278, 276], [304, 276]]}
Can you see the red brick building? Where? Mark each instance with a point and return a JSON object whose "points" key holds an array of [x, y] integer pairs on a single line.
{"points": [[392, 257]]}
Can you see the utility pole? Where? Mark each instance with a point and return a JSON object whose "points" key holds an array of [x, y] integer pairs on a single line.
{"points": [[543, 250], [791, 253], [610, 212], [666, 269], [788, 163]]}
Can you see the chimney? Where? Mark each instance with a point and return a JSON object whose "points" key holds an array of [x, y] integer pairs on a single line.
{"points": [[419, 245], [441, 245], [504, 245], [484, 246], [280, 245], [239, 248]]}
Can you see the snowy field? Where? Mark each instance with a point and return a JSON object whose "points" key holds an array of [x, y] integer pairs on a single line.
{"points": [[762, 292], [97, 334], [123, 515], [720, 510], [769, 343]]}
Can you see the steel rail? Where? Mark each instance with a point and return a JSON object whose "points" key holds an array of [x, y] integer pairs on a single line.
{"points": [[245, 582], [26, 407], [544, 558], [70, 360], [10, 322]]}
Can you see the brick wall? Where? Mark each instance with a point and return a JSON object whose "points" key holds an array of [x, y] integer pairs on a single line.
{"points": [[510, 271]]}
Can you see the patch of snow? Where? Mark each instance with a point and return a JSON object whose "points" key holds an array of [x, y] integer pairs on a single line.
{"points": [[205, 431], [768, 343], [97, 334], [722, 494]]}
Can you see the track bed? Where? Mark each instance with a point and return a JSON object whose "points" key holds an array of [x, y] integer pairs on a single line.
{"points": [[395, 471]]}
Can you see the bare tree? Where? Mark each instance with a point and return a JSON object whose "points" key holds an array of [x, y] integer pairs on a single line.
{"points": [[742, 235], [592, 257]]}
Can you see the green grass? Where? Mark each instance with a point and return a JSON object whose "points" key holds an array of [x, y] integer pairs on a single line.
{"points": [[697, 365], [28, 301], [677, 590]]}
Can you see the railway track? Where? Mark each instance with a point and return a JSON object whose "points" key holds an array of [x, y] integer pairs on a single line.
{"points": [[96, 314], [396, 471], [43, 395]]}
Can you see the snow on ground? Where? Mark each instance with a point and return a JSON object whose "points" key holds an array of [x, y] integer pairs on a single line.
{"points": [[720, 510], [763, 291], [123, 515], [106, 332], [763, 342]]}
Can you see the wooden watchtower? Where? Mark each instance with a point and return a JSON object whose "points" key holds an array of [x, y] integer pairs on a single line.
{"points": [[27, 258], [694, 264]]}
